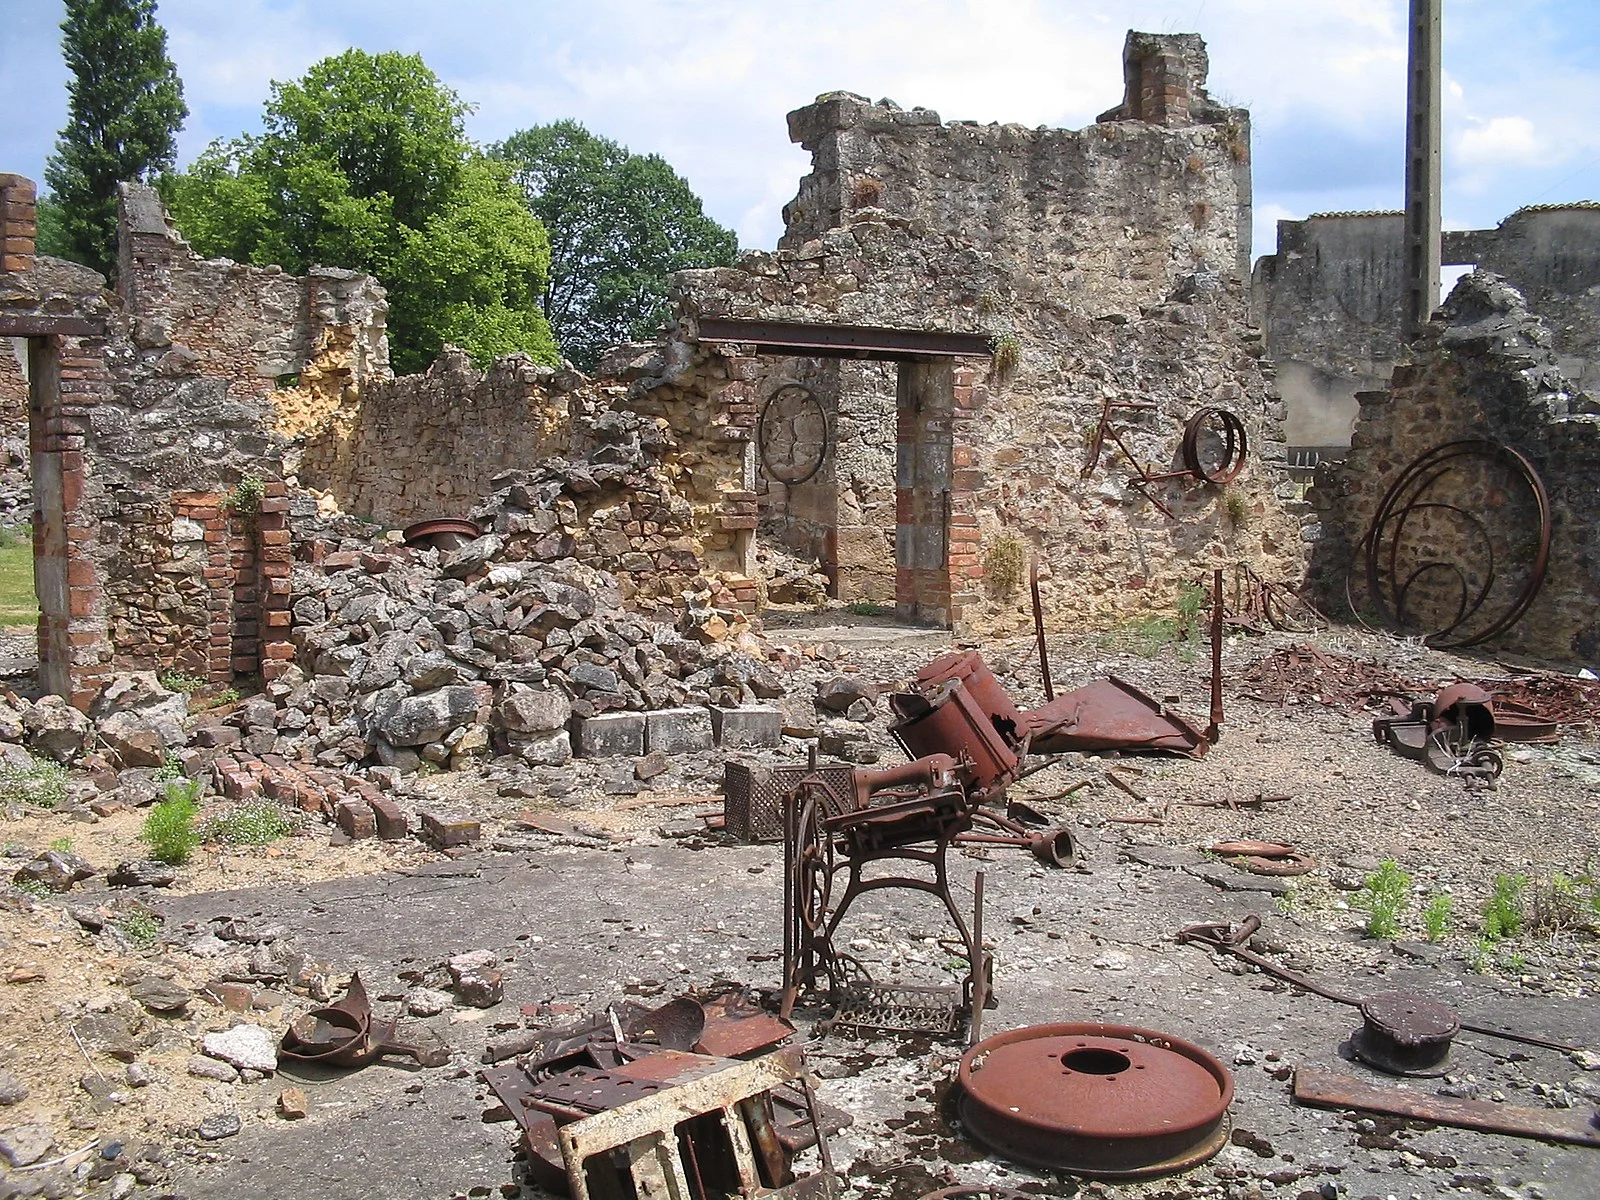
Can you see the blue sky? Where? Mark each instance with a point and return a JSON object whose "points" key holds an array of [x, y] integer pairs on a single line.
{"points": [[706, 83]]}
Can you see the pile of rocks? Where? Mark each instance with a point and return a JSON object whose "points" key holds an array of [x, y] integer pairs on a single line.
{"points": [[409, 656]]}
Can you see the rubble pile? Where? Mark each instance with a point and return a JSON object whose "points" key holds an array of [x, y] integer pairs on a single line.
{"points": [[447, 656]]}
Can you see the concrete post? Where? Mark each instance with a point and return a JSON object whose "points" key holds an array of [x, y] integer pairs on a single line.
{"points": [[1422, 166]]}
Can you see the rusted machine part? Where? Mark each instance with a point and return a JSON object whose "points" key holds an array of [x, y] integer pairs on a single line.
{"points": [[1038, 629], [1324, 1089], [1235, 447], [793, 405], [1052, 847], [1106, 1101], [734, 1027], [345, 1035], [979, 681], [1405, 497], [676, 1025], [1405, 1034], [1214, 730], [1266, 858], [1111, 714], [1233, 939], [1453, 734], [441, 533], [952, 718]]}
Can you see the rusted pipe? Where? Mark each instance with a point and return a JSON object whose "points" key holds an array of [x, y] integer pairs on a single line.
{"points": [[1214, 730], [1038, 629]]}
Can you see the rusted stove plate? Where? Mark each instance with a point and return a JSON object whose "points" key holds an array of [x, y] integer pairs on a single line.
{"points": [[1405, 1034], [1111, 714], [1106, 1101], [734, 1027]]}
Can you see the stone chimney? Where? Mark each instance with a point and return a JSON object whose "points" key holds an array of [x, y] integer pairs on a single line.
{"points": [[19, 230], [1164, 79]]}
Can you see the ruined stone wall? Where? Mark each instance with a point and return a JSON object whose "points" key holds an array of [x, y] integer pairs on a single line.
{"points": [[1551, 254], [1110, 260], [429, 445], [1485, 369]]}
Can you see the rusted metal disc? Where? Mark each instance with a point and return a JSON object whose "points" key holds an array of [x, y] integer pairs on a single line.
{"points": [[442, 533], [1405, 1034], [1108, 1101]]}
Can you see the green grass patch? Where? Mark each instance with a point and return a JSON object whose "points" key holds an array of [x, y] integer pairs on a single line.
{"points": [[142, 929], [44, 784], [19, 602], [1383, 894], [255, 823], [1503, 914], [169, 828]]}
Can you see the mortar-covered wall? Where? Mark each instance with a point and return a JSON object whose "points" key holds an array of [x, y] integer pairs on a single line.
{"points": [[1330, 300], [1486, 368], [1111, 260]]}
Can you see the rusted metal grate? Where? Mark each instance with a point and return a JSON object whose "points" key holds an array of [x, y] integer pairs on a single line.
{"points": [[752, 805]]}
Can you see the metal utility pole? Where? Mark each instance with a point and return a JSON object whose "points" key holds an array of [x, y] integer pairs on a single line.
{"points": [[1422, 166]]}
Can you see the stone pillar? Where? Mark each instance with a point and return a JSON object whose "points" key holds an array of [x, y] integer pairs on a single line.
{"points": [[19, 229], [923, 492], [1164, 78]]}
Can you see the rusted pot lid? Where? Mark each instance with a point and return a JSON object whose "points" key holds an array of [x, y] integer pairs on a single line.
{"points": [[1108, 1101], [1405, 1034]]}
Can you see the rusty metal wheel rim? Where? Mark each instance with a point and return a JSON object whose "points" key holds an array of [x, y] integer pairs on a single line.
{"points": [[1071, 1097], [1235, 445]]}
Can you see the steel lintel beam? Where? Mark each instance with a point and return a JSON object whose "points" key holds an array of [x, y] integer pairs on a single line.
{"points": [[37, 325], [844, 341]]}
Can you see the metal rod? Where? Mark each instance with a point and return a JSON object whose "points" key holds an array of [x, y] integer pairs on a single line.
{"points": [[980, 974], [1038, 628], [1215, 729]]}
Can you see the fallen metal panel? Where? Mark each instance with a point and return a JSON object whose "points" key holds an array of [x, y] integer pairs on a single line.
{"points": [[1325, 1089], [844, 341], [31, 325], [1111, 714]]}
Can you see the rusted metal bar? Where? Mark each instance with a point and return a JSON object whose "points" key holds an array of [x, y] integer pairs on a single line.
{"points": [[1038, 629], [1325, 1089], [1215, 728], [844, 341]]}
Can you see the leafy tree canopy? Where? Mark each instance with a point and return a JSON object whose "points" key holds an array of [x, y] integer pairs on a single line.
{"points": [[125, 104], [363, 164], [619, 225]]}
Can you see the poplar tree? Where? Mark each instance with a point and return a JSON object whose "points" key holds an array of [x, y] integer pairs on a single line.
{"points": [[125, 107]]}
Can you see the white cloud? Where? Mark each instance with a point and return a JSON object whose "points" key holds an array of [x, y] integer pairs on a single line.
{"points": [[1509, 141]]}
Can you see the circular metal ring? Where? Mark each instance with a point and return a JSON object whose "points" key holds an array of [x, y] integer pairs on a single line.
{"points": [[793, 435], [1235, 445]]}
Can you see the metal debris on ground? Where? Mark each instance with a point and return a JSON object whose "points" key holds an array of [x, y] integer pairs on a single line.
{"points": [[1324, 1089], [1106, 1101], [345, 1035], [1266, 858], [1454, 733], [693, 1124]]}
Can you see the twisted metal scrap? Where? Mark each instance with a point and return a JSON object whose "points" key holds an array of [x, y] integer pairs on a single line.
{"points": [[1380, 547]]}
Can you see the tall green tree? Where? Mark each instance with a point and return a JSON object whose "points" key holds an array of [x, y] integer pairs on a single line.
{"points": [[363, 163], [619, 225], [125, 107]]}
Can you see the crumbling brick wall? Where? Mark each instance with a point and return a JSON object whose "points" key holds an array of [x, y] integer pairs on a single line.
{"points": [[1486, 369], [1112, 260]]}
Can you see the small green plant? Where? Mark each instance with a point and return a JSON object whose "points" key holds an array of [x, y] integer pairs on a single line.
{"points": [[169, 828], [245, 499], [43, 784], [869, 608], [1562, 905], [171, 768], [1236, 508], [178, 681], [1003, 563], [255, 823], [1007, 350], [1502, 914], [37, 888], [1383, 894], [1191, 598], [1436, 917], [61, 845], [142, 929]]}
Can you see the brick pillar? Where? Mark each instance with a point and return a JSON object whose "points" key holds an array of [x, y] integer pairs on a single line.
{"points": [[19, 229], [924, 496], [968, 394], [273, 565], [206, 509]]}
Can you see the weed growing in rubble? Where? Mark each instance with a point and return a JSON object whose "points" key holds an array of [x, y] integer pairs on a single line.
{"points": [[61, 845], [1383, 894], [42, 784], [37, 888], [1503, 915], [1563, 905], [178, 681], [1003, 563], [1191, 598], [256, 823], [141, 929], [245, 499], [1236, 508], [1436, 917], [169, 828], [1007, 350], [171, 768], [869, 608]]}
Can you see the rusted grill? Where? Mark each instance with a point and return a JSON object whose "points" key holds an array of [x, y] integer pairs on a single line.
{"points": [[753, 793]]}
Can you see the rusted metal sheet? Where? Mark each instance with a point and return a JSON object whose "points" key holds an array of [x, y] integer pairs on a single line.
{"points": [[1111, 714], [1108, 1101], [345, 1035], [734, 1027], [1325, 1089], [646, 1133]]}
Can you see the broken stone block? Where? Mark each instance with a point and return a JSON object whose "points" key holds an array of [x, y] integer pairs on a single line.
{"points": [[678, 730], [246, 1047], [12, 1089], [56, 869], [388, 816], [608, 735], [108, 1034], [427, 1002], [292, 1104], [752, 725], [235, 997], [143, 872], [24, 1145], [477, 978], [445, 831], [55, 729], [160, 995], [543, 749], [540, 710], [356, 818], [136, 741], [428, 716], [218, 1126], [838, 692], [202, 1067], [651, 765]]}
